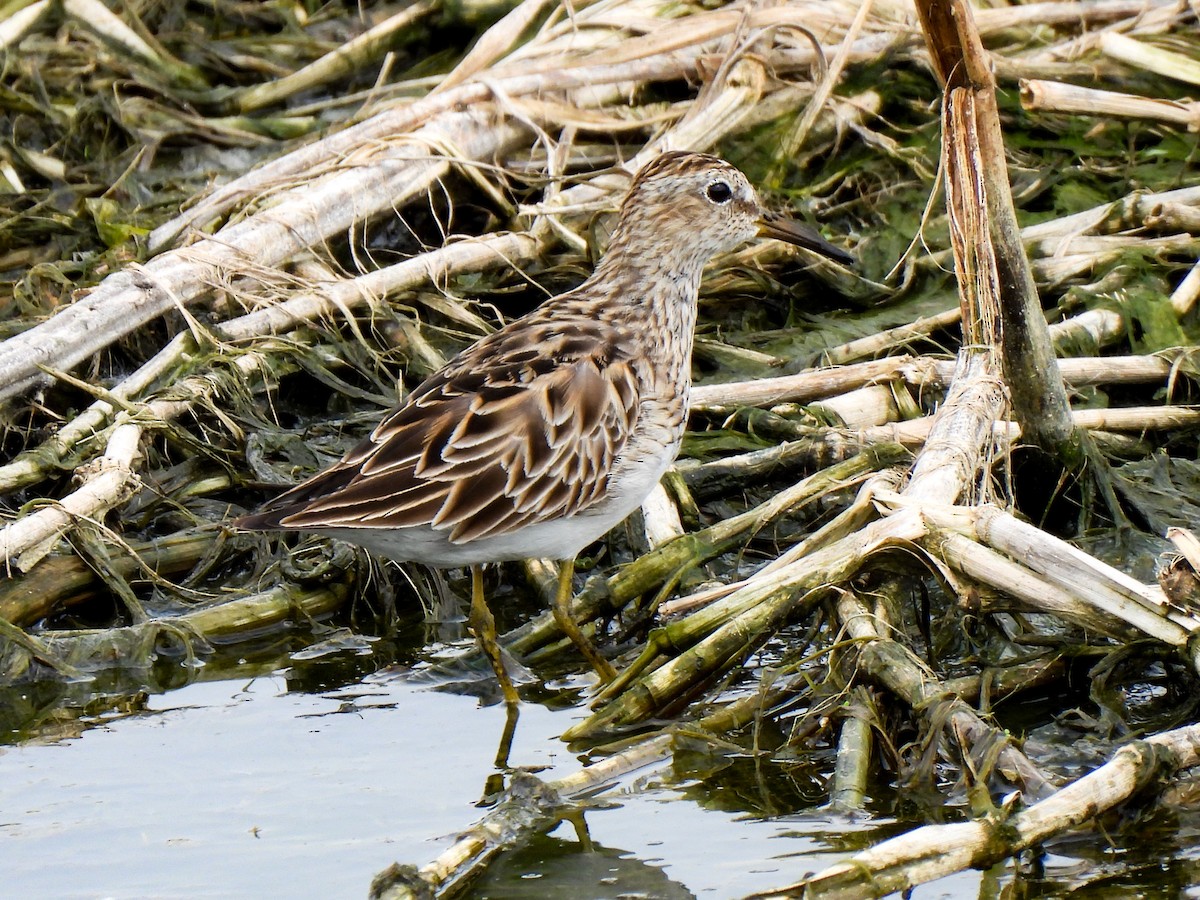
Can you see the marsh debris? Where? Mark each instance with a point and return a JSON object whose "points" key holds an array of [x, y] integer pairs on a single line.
{"points": [[893, 520]]}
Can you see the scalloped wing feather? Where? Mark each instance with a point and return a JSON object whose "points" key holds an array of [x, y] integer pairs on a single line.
{"points": [[481, 451]]}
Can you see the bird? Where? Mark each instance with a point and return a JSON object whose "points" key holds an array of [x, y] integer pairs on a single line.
{"points": [[539, 438]]}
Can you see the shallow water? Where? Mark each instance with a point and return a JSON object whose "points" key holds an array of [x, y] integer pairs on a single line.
{"points": [[305, 775], [268, 788]]}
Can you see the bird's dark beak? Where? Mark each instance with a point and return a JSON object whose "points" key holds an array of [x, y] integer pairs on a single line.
{"points": [[776, 226]]}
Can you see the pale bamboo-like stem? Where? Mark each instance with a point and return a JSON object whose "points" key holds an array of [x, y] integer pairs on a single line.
{"points": [[799, 388], [1055, 270], [1060, 256], [1096, 328], [855, 748], [1184, 297], [935, 851], [872, 405], [1036, 592], [97, 18], [923, 372], [528, 807], [1138, 418], [1053, 96], [661, 516], [1127, 212], [741, 619], [1155, 19], [14, 28], [1153, 59], [496, 41], [1174, 217], [897, 667], [854, 517], [110, 481], [991, 20], [473, 255], [1092, 370], [300, 219], [1145, 607], [915, 432], [890, 339], [1187, 543], [345, 60]]}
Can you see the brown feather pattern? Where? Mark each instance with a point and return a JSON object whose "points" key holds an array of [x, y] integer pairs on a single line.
{"points": [[502, 437]]}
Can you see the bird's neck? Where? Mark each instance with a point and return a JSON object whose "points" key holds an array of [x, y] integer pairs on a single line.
{"points": [[638, 247], [655, 294], [652, 270]]}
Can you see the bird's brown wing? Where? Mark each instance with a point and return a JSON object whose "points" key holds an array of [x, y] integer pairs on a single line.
{"points": [[522, 428]]}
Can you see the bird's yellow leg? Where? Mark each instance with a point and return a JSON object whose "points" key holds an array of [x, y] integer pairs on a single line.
{"points": [[562, 615], [484, 625]]}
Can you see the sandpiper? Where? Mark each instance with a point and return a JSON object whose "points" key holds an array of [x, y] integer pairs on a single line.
{"points": [[542, 436]]}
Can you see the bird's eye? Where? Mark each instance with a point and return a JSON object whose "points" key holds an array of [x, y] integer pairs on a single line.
{"points": [[720, 192]]}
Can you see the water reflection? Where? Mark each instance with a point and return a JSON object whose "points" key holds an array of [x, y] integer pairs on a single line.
{"points": [[302, 766], [554, 868]]}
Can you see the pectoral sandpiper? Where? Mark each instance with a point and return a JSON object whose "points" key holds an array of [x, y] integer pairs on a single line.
{"points": [[542, 436]]}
